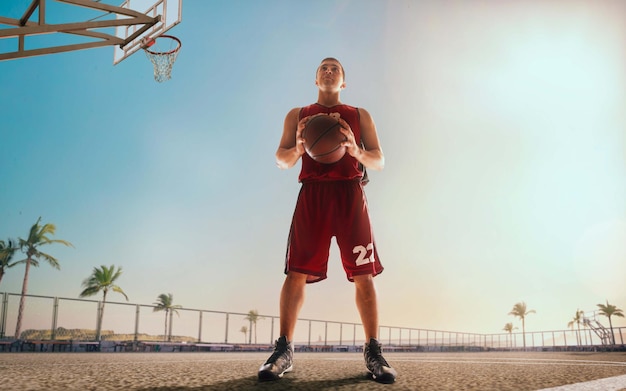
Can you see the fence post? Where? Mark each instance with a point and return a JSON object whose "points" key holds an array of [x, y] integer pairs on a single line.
{"points": [[325, 333], [309, 332], [3, 314], [136, 337], [98, 319], [226, 332], [55, 314], [200, 327]]}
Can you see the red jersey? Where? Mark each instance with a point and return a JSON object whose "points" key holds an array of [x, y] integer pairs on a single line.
{"points": [[347, 168]]}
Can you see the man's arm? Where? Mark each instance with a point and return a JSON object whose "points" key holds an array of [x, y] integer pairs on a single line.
{"points": [[291, 145], [371, 155]]}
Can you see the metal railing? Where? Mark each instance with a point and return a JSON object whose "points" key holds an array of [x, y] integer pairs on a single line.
{"points": [[57, 318]]}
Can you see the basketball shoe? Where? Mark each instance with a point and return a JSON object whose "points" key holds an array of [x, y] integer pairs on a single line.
{"points": [[377, 365], [279, 363]]}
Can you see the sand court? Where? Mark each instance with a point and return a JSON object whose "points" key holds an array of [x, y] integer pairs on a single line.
{"points": [[313, 371]]}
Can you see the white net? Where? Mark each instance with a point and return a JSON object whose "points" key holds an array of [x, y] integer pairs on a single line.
{"points": [[162, 52]]}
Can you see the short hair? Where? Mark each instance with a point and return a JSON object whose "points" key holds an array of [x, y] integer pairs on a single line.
{"points": [[343, 72]]}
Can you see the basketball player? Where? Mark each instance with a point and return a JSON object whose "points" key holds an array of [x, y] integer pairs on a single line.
{"points": [[331, 202]]}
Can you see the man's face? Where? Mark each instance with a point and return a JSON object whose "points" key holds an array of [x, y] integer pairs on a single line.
{"points": [[330, 75]]}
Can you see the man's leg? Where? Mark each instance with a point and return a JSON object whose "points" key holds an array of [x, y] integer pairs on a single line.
{"points": [[367, 304], [291, 300]]}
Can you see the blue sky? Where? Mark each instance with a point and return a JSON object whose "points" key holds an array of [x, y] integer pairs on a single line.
{"points": [[502, 124]]}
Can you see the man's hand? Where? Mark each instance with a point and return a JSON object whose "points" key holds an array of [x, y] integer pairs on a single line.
{"points": [[352, 147]]}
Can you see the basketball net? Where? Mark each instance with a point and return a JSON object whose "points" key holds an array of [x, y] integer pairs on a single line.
{"points": [[162, 52]]}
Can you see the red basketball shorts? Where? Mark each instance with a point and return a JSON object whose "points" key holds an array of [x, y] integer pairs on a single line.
{"points": [[327, 209]]}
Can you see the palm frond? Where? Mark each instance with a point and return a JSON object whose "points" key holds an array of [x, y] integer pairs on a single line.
{"points": [[7, 252], [117, 289], [90, 291]]}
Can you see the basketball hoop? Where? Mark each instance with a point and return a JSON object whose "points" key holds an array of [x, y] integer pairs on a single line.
{"points": [[162, 52]]}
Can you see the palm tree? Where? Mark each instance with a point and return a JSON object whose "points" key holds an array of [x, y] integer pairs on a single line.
{"points": [[244, 330], [102, 279], [253, 317], [38, 236], [165, 303], [519, 310], [509, 329], [578, 319], [7, 251], [609, 310]]}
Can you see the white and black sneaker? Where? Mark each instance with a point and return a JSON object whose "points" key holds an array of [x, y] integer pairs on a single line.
{"points": [[279, 363], [377, 365]]}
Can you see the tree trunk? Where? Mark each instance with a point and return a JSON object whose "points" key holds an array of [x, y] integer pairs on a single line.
{"points": [[165, 331], [169, 336], [524, 333], [100, 316], [20, 311]]}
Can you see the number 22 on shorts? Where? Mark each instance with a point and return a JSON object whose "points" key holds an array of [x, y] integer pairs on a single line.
{"points": [[362, 259]]}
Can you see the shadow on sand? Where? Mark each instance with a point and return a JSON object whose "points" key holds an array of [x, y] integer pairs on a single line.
{"points": [[252, 383]]}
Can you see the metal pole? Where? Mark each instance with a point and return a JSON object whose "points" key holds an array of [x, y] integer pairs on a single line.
{"points": [[55, 314], [98, 321], [3, 314], [272, 333], [309, 332], [200, 327], [136, 338], [226, 335], [354, 335], [340, 333], [325, 333]]}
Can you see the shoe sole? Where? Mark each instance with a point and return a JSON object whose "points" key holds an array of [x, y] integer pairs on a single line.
{"points": [[387, 378], [271, 376]]}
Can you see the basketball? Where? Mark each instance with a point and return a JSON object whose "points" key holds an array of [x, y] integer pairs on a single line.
{"points": [[322, 139]]}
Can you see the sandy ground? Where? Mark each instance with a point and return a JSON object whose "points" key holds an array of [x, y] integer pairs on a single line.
{"points": [[313, 371]]}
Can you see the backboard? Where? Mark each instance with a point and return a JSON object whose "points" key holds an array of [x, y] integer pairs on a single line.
{"points": [[170, 12]]}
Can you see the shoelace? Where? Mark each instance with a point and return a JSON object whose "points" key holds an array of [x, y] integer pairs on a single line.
{"points": [[279, 350], [376, 356]]}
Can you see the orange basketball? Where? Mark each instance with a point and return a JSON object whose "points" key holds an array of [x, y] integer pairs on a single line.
{"points": [[322, 139]]}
